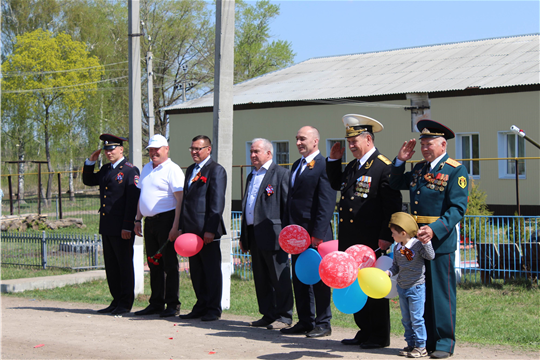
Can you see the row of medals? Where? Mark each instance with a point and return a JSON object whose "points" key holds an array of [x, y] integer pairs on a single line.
{"points": [[433, 182], [362, 186]]}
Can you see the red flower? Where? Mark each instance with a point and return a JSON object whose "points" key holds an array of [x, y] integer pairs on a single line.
{"points": [[155, 259], [203, 179]]}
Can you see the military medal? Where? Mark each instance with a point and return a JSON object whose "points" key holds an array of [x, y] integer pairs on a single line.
{"points": [[363, 184], [120, 177]]}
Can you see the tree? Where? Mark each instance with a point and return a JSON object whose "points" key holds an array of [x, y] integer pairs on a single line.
{"points": [[254, 54], [50, 75]]}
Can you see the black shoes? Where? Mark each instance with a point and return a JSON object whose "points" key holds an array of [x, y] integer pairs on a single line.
{"points": [[260, 323], [319, 331], [354, 341], [191, 315], [438, 354], [210, 317], [149, 310], [120, 311], [107, 310], [170, 311], [297, 329]]}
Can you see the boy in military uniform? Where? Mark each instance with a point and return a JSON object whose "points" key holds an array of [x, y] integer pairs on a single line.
{"points": [[438, 194], [119, 195], [366, 204]]}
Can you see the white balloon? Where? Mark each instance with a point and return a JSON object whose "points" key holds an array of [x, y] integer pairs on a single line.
{"points": [[393, 291], [384, 263]]}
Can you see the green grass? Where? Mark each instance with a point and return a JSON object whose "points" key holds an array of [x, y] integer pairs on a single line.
{"points": [[12, 272], [496, 314]]}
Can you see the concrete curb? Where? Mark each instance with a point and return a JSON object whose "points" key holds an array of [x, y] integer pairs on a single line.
{"points": [[50, 282]]}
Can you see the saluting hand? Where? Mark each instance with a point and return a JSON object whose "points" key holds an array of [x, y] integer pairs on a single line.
{"points": [[95, 155], [407, 150], [336, 152]]}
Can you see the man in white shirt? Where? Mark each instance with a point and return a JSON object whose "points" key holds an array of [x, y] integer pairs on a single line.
{"points": [[263, 208], [161, 185]]}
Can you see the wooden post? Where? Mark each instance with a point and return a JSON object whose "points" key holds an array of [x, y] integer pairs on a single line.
{"points": [[10, 196], [39, 189], [59, 196]]}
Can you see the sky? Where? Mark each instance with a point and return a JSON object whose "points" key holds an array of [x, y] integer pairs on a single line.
{"points": [[339, 27]]}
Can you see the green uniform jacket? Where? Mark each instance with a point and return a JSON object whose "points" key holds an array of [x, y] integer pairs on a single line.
{"points": [[446, 201]]}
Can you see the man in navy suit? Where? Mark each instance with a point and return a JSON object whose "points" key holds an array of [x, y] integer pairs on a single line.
{"points": [[310, 204], [119, 195], [202, 214], [263, 207], [367, 202]]}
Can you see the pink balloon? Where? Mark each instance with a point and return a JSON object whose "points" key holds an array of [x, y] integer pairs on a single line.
{"points": [[188, 244], [364, 255], [294, 239], [338, 270], [327, 247]]}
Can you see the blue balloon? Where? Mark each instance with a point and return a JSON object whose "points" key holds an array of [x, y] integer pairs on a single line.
{"points": [[349, 300], [307, 267], [391, 253]]}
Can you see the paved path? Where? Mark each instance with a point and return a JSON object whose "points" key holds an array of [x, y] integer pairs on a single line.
{"points": [[35, 329]]}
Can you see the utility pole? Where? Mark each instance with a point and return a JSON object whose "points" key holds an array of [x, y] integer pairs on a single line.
{"points": [[150, 77], [223, 124], [135, 124]]}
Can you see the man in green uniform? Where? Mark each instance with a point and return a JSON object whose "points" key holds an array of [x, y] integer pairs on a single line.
{"points": [[438, 194]]}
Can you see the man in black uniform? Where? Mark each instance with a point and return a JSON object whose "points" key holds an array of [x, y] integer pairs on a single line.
{"points": [[119, 195], [367, 202]]}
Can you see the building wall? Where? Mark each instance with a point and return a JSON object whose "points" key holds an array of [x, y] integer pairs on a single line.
{"points": [[485, 115]]}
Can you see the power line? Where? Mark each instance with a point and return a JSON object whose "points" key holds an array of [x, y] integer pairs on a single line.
{"points": [[13, 73]]}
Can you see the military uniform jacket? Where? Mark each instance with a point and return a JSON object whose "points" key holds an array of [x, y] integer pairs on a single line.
{"points": [[204, 201], [311, 201], [442, 193], [367, 201], [118, 193]]}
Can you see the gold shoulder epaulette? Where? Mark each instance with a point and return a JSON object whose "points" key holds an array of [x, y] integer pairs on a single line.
{"points": [[384, 159], [452, 162]]}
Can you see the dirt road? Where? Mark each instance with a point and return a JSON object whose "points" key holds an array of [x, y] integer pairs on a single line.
{"points": [[33, 329]]}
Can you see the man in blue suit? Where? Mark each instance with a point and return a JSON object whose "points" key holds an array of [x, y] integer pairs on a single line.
{"points": [[202, 214], [310, 204], [263, 207], [439, 194]]}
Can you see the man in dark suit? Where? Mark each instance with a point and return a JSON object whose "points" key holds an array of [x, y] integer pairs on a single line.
{"points": [[367, 202], [263, 207], [202, 214], [310, 204], [119, 195], [439, 193]]}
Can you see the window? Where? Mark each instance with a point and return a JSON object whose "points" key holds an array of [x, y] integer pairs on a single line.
{"points": [[511, 146], [281, 153], [248, 152], [468, 147], [342, 142]]}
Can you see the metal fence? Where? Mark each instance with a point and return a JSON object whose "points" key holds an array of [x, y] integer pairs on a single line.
{"points": [[491, 248]]}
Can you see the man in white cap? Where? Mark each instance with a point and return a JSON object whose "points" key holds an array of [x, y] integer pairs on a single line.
{"points": [[162, 185], [366, 205]]}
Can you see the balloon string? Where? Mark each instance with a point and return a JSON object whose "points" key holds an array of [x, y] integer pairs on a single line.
{"points": [[377, 249]]}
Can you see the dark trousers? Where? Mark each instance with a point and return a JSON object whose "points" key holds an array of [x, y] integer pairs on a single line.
{"points": [[272, 278], [164, 278], [312, 302], [374, 322], [440, 311], [118, 256], [207, 280]]}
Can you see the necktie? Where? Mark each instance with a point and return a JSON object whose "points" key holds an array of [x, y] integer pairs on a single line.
{"points": [[299, 170]]}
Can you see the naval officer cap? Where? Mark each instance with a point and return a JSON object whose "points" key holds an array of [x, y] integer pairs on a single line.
{"points": [[110, 142], [429, 128], [404, 221], [356, 124]]}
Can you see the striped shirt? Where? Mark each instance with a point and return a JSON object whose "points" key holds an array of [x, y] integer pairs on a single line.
{"points": [[409, 262]]}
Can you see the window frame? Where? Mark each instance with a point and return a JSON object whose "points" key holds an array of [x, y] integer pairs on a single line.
{"points": [[502, 146], [274, 144], [459, 152]]}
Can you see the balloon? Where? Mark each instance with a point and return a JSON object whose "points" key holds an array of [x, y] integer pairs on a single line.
{"points": [[307, 267], [349, 300], [374, 282], [294, 239], [188, 244], [338, 270], [393, 292], [327, 247], [384, 263], [364, 255]]}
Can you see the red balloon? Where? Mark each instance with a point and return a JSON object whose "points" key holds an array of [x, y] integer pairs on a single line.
{"points": [[338, 270], [294, 239], [327, 247], [364, 255], [188, 244]]}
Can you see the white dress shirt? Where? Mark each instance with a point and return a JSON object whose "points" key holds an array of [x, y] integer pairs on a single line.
{"points": [[253, 189], [303, 165]]}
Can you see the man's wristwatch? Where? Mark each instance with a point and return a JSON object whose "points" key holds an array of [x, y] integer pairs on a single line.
{"points": [[137, 221]]}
